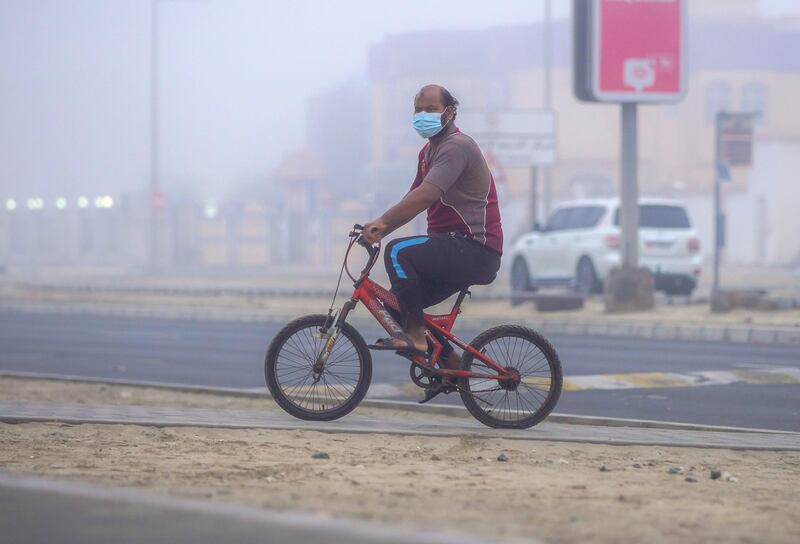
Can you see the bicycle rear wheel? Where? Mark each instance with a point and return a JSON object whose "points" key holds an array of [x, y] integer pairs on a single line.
{"points": [[288, 369], [516, 404]]}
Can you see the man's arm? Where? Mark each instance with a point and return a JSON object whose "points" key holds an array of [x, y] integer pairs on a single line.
{"points": [[408, 208]]}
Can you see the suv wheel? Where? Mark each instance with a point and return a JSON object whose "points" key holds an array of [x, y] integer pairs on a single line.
{"points": [[586, 280], [520, 282]]}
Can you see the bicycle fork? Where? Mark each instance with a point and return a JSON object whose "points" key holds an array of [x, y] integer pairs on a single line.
{"points": [[329, 333]]}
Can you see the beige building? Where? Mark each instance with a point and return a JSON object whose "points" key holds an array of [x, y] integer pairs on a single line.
{"points": [[736, 63]]}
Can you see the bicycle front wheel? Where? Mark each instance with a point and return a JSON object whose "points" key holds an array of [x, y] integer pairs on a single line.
{"points": [[524, 401], [335, 392]]}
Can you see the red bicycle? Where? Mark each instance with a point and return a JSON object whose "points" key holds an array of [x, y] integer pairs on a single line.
{"points": [[318, 367]]}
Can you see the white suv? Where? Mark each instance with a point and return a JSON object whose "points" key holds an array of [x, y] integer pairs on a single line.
{"points": [[580, 244]]}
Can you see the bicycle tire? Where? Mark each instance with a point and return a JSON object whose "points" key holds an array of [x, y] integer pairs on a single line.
{"points": [[279, 345], [481, 342]]}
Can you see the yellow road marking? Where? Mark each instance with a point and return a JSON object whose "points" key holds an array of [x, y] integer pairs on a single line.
{"points": [[646, 380], [649, 380]]}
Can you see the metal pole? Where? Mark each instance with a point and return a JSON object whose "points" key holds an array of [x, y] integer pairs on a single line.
{"points": [[717, 233], [629, 193], [154, 122], [715, 286], [534, 197], [548, 101], [717, 206]]}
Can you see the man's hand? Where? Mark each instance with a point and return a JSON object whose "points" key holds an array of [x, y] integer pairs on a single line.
{"points": [[374, 231]]}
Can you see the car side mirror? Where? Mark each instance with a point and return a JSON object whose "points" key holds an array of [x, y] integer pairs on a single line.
{"points": [[537, 227]]}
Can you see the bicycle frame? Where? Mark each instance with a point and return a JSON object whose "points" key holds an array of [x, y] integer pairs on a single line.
{"points": [[375, 298]]}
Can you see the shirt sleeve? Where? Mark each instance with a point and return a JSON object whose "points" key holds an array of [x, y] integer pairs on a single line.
{"points": [[448, 164]]}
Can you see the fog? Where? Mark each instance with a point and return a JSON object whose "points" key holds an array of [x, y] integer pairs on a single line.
{"points": [[245, 86], [235, 80]]}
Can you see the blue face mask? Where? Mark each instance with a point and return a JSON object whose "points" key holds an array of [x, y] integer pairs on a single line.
{"points": [[428, 124]]}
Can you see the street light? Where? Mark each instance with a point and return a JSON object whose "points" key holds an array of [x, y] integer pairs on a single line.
{"points": [[156, 198], [11, 204], [104, 202], [35, 203], [61, 203], [83, 202], [210, 210], [155, 185]]}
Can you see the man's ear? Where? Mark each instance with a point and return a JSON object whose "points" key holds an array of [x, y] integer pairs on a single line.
{"points": [[448, 114]]}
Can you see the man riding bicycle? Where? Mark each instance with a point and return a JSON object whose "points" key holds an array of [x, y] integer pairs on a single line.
{"points": [[464, 241]]}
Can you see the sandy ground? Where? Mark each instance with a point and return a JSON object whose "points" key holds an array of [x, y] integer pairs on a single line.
{"points": [[556, 492]]}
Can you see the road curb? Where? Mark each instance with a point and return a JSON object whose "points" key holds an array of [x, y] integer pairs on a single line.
{"points": [[692, 332], [452, 411]]}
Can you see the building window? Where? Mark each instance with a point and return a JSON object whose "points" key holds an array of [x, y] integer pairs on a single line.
{"points": [[754, 100], [719, 97]]}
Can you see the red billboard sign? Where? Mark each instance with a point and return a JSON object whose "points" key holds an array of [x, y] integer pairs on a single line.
{"points": [[637, 49]]}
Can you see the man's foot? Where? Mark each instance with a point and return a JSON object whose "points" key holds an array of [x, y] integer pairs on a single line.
{"points": [[411, 340], [451, 362], [399, 344]]}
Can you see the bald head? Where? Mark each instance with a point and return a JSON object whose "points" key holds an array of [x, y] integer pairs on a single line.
{"points": [[435, 98]]}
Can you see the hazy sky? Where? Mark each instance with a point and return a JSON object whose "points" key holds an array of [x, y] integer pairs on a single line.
{"points": [[235, 77]]}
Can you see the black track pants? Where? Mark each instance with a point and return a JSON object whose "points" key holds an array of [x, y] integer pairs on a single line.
{"points": [[425, 270]]}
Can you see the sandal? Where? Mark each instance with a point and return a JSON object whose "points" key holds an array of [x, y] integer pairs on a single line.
{"points": [[388, 344]]}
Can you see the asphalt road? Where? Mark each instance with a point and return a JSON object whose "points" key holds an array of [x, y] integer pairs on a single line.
{"points": [[231, 354]]}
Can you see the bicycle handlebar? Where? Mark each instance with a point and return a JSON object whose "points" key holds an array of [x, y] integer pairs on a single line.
{"points": [[357, 233], [357, 237]]}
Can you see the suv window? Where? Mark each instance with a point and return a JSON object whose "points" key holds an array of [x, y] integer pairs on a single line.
{"points": [[558, 221], [660, 216], [576, 217], [585, 217]]}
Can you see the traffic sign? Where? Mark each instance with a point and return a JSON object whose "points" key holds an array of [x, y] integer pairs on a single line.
{"points": [[515, 138], [735, 138], [630, 51], [157, 200]]}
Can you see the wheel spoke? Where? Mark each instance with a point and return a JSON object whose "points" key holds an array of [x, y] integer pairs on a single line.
{"points": [[293, 370], [513, 403]]}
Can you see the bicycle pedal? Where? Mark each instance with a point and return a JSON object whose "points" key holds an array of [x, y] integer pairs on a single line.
{"points": [[429, 395]]}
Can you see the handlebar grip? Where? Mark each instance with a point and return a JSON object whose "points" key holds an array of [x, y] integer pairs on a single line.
{"points": [[366, 245], [358, 227]]}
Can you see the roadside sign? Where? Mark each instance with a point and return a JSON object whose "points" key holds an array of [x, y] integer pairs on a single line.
{"points": [[514, 138], [157, 200], [630, 51], [723, 172], [735, 138]]}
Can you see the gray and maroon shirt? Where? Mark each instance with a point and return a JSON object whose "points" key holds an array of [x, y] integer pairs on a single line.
{"points": [[469, 203]]}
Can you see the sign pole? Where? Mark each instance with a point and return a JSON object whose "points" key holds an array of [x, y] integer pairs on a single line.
{"points": [[547, 180], [629, 190], [534, 197], [155, 185], [733, 146], [717, 229], [717, 225]]}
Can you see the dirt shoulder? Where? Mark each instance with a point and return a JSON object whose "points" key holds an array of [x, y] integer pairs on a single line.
{"points": [[551, 491]]}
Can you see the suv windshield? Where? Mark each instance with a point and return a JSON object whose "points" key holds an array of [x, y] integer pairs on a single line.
{"points": [[660, 216]]}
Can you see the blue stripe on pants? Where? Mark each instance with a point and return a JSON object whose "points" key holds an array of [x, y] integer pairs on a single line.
{"points": [[400, 245]]}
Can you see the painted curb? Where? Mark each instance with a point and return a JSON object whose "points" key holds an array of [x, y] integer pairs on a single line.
{"points": [[441, 409]]}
